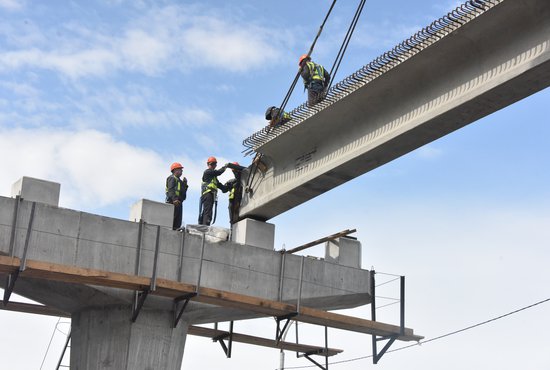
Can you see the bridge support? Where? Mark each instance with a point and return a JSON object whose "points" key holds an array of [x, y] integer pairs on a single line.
{"points": [[105, 338]]}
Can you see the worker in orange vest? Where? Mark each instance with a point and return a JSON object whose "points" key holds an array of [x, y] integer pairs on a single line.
{"points": [[176, 192]]}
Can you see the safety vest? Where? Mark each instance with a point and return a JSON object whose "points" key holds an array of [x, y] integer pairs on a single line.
{"points": [[317, 71], [285, 117], [210, 187], [178, 188]]}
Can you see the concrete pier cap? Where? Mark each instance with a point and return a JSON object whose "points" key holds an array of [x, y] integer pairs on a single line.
{"points": [[103, 335], [344, 251], [256, 233], [36, 190], [152, 212]]}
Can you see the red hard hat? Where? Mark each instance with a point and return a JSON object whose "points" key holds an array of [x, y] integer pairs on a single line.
{"points": [[304, 56], [211, 160], [237, 163], [175, 165]]}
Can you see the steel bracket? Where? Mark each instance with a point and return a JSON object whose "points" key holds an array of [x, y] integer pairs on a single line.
{"points": [[376, 356], [12, 277], [315, 362], [138, 303], [319, 351], [140, 296], [280, 332], [185, 298], [229, 336]]}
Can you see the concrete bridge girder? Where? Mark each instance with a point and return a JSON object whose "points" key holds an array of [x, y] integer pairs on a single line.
{"points": [[492, 61]]}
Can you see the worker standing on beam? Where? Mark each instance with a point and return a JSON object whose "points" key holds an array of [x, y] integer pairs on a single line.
{"points": [[209, 190], [276, 119], [176, 192], [316, 79], [235, 189]]}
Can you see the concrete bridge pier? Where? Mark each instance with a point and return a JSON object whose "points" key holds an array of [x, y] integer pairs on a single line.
{"points": [[105, 338]]}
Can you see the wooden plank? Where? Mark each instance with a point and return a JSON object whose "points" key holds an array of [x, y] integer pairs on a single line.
{"points": [[322, 240], [192, 330], [264, 342], [34, 309], [172, 289], [350, 323]]}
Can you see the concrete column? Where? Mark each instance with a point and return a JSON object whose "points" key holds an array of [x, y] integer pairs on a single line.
{"points": [[105, 338]]}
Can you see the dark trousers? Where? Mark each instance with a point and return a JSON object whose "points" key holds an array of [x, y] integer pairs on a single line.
{"points": [[178, 211], [207, 205], [233, 213], [315, 93]]}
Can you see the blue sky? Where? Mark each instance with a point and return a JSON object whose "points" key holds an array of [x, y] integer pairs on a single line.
{"points": [[102, 96]]}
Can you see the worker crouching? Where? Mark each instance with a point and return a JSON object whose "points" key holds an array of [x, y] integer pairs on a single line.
{"points": [[272, 114]]}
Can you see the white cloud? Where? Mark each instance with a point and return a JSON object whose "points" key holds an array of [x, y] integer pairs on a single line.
{"points": [[144, 52], [94, 169], [218, 43], [74, 64], [11, 4], [135, 106], [247, 125], [161, 40]]}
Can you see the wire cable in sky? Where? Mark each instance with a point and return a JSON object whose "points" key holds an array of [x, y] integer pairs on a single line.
{"points": [[435, 338], [50, 343]]}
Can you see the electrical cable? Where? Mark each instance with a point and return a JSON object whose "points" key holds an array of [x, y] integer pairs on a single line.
{"points": [[435, 338]]}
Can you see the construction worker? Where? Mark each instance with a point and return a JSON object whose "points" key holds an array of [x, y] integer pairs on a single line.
{"points": [[210, 186], [272, 115], [235, 189], [176, 192], [316, 79]]}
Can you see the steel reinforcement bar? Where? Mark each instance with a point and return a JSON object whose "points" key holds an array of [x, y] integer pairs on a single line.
{"points": [[400, 53]]}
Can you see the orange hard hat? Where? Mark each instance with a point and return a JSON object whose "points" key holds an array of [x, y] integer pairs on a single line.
{"points": [[211, 160], [304, 56], [175, 165]]}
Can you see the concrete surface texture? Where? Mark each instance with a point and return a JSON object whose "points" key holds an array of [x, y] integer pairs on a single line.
{"points": [[103, 337], [493, 60], [155, 213], [36, 190], [255, 233]]}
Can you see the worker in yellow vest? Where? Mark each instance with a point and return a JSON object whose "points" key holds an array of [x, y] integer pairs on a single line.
{"points": [[316, 79], [276, 119], [209, 190], [176, 192], [235, 189]]}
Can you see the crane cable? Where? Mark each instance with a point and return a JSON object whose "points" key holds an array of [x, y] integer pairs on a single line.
{"points": [[258, 157], [345, 43]]}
